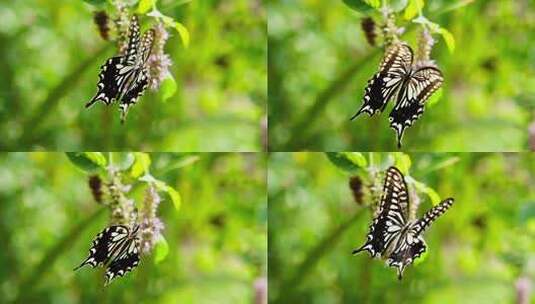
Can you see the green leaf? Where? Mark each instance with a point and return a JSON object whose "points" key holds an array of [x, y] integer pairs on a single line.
{"points": [[95, 2], [430, 192], [435, 97], [359, 6], [175, 197], [183, 32], [373, 3], [87, 161], [167, 88], [145, 6], [347, 161], [161, 250], [161, 186], [141, 164], [123, 161], [414, 8], [402, 161], [185, 160], [398, 5], [448, 38]]}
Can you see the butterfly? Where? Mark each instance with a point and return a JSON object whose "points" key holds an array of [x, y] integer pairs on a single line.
{"points": [[393, 235], [125, 78], [411, 85], [117, 249]]}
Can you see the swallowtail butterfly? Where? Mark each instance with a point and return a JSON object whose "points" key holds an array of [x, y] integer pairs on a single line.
{"points": [[125, 78], [393, 235], [117, 249], [411, 85]]}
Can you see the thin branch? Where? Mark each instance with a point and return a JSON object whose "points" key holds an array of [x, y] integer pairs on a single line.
{"points": [[52, 100], [52, 255], [300, 132], [313, 257]]}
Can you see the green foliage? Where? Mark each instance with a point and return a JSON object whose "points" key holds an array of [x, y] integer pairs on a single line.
{"points": [[87, 161], [161, 250], [477, 251], [214, 250], [51, 71], [347, 161], [320, 65], [413, 8]]}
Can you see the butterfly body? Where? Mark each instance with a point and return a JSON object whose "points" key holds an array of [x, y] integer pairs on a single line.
{"points": [[125, 78], [398, 78], [117, 249], [393, 235]]}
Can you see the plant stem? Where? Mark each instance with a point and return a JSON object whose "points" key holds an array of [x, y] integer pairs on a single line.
{"points": [[29, 284], [300, 132], [52, 100], [312, 258]]}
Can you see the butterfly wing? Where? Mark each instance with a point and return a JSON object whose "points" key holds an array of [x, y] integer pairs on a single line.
{"points": [[430, 216], [141, 80], [133, 41], [411, 98], [125, 261], [115, 74], [130, 98], [392, 215], [383, 85], [411, 245], [108, 88], [104, 245], [404, 254]]}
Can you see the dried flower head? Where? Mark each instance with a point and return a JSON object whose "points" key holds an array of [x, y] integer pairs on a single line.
{"points": [[95, 184], [150, 225], [101, 19], [425, 45], [368, 27], [159, 62], [356, 186], [122, 23]]}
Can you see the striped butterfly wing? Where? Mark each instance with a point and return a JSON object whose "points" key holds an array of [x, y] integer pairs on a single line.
{"points": [[421, 84], [383, 85], [115, 74], [125, 260], [412, 245], [392, 215], [430, 216], [406, 253], [140, 79], [103, 245]]}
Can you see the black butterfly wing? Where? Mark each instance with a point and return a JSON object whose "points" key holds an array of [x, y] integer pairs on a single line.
{"points": [[125, 261], [406, 252], [430, 216], [411, 98], [383, 85], [104, 244], [108, 87], [130, 98], [412, 245], [392, 215], [114, 74], [133, 41], [141, 79]]}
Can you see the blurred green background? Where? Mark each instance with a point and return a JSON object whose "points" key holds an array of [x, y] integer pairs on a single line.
{"points": [[477, 252], [319, 64], [51, 52], [217, 239]]}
